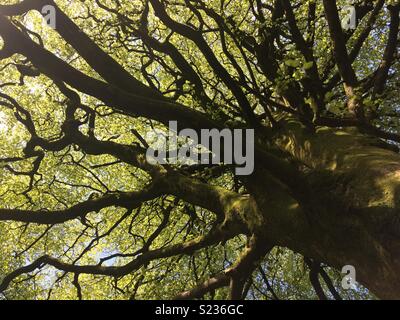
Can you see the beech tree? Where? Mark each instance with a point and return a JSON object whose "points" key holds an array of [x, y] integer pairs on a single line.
{"points": [[85, 215]]}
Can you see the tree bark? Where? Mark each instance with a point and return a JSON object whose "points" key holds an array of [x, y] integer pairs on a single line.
{"points": [[354, 219]]}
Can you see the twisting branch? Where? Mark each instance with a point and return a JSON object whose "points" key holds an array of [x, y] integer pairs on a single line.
{"points": [[342, 59], [119, 271], [136, 105], [220, 280], [80, 210], [390, 50], [257, 248], [221, 72]]}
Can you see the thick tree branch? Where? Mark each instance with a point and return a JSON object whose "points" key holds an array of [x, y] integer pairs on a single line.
{"points": [[101, 62], [136, 105], [257, 248], [80, 210], [118, 271], [220, 280], [390, 51], [221, 72], [342, 58]]}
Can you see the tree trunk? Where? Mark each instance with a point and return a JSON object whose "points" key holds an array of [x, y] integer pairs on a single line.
{"points": [[354, 219]]}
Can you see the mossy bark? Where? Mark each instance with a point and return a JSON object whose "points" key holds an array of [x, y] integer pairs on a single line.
{"points": [[354, 217]]}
